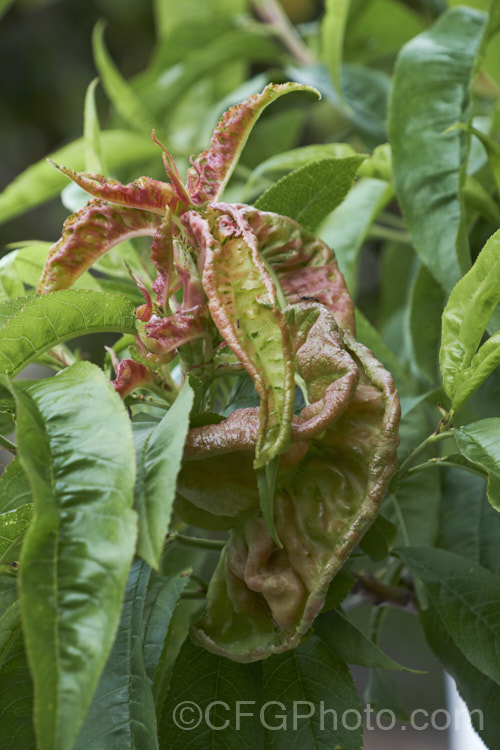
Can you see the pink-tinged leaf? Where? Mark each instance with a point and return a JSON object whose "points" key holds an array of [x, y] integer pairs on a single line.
{"points": [[163, 336], [129, 376], [88, 235], [173, 173], [242, 301], [212, 169], [305, 266], [162, 256], [145, 193]]}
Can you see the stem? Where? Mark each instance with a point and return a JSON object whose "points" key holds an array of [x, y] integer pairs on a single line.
{"points": [[443, 462], [392, 220], [402, 522], [5, 443], [430, 440], [192, 541], [271, 13], [193, 595], [377, 616], [379, 232]]}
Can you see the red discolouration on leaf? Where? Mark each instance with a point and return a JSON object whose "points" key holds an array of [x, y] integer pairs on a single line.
{"points": [[162, 255], [146, 193], [129, 376], [212, 169], [165, 335], [89, 234]]}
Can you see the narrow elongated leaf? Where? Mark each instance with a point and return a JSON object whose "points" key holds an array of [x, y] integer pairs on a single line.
{"points": [[479, 442], [203, 697], [13, 524], [432, 80], [350, 644], [424, 322], [310, 193], [465, 318], [159, 448], [479, 692], [467, 600], [212, 169], [332, 39], [48, 319], [317, 685], [125, 100], [346, 228], [75, 444], [41, 182], [122, 713], [161, 601], [94, 158]]}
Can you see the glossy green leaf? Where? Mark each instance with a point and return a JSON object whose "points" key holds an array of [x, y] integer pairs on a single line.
{"points": [[41, 182], [122, 712], [10, 615], [379, 539], [205, 686], [48, 319], [467, 600], [468, 525], [431, 84], [162, 598], [479, 442], [159, 449], [351, 645], [332, 39], [347, 227], [470, 306], [75, 444], [479, 692], [424, 322], [312, 676], [310, 193], [124, 99], [13, 524]]}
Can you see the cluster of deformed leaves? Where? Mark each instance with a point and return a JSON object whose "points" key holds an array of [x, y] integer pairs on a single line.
{"points": [[295, 480]]}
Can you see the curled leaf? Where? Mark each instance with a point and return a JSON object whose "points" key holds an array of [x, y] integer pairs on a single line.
{"points": [[87, 235], [212, 169]]}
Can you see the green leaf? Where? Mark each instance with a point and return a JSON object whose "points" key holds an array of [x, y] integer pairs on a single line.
{"points": [[208, 686], [14, 487], [347, 227], [479, 692], [122, 712], [41, 182], [16, 700], [338, 589], [379, 539], [286, 161], [10, 615], [468, 525], [382, 694], [310, 193], [305, 680], [371, 338], [480, 443], [75, 444], [13, 524], [431, 93], [332, 39], [424, 322], [351, 645], [170, 14], [467, 599], [470, 306], [159, 449], [48, 319], [94, 158], [161, 601], [123, 97]]}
